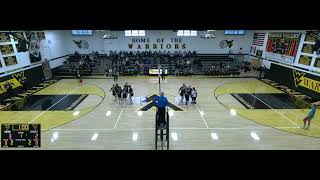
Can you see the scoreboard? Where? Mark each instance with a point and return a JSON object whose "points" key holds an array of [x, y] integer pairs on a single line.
{"points": [[20, 135]]}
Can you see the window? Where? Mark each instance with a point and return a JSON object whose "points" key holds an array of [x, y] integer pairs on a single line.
{"points": [[234, 32], [134, 32], [81, 32], [186, 33]]}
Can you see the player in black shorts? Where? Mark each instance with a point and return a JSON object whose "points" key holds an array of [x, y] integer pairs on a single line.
{"points": [[113, 89], [188, 94], [118, 92], [130, 92], [182, 92], [124, 95]]}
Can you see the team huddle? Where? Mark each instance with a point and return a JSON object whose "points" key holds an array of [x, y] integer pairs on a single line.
{"points": [[122, 94], [187, 92]]}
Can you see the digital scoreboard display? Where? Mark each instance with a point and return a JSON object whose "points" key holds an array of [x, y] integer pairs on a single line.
{"points": [[20, 135]]}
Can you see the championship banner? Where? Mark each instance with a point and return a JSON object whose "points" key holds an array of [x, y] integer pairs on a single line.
{"points": [[282, 46], [41, 36], [6, 49], [307, 48], [10, 60], [18, 36], [4, 37], [311, 36], [305, 60]]}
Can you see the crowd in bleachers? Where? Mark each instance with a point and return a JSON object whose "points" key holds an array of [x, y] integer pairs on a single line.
{"points": [[132, 62]]}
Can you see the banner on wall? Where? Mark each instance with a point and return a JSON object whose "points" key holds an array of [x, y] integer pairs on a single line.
{"points": [[10, 60], [311, 36], [34, 50], [6, 49], [307, 48], [28, 78], [282, 46], [22, 45], [41, 36], [305, 60], [4, 37], [259, 53], [165, 43], [303, 82]]}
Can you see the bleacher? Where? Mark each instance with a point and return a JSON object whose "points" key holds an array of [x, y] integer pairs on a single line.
{"points": [[199, 64]]}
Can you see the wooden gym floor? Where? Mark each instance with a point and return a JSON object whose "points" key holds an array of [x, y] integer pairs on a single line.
{"points": [[218, 121]]}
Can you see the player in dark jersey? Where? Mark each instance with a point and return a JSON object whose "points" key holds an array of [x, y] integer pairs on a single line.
{"points": [[113, 89], [118, 92], [130, 92], [188, 94], [182, 92]]}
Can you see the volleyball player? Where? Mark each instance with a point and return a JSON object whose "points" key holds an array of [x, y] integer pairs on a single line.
{"points": [[118, 92], [188, 94], [113, 89], [310, 116], [194, 95], [182, 92], [130, 92], [124, 95]]}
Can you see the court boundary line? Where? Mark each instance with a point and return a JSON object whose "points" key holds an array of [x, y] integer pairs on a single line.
{"points": [[275, 110], [176, 128], [274, 127], [52, 105]]}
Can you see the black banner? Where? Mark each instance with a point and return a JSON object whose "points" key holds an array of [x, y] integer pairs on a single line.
{"points": [[6, 49], [4, 37], [10, 60], [303, 82], [27, 79]]}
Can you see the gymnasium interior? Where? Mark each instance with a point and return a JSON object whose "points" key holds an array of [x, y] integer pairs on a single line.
{"points": [[253, 89]]}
